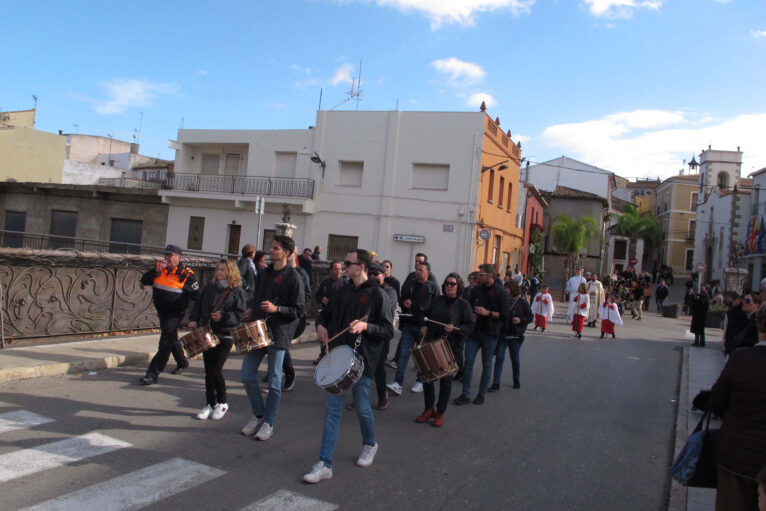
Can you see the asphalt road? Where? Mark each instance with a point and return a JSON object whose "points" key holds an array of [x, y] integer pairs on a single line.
{"points": [[591, 428]]}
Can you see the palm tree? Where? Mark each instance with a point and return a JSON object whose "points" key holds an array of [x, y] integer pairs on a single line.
{"points": [[638, 225], [570, 236]]}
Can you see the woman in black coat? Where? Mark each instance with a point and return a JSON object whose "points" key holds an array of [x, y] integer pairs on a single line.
{"points": [[517, 319], [699, 307], [221, 306]]}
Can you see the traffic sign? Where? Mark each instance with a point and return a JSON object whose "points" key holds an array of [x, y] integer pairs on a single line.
{"points": [[700, 267], [412, 238], [484, 234], [633, 261]]}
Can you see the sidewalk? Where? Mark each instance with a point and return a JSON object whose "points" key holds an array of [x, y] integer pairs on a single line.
{"points": [[89, 355]]}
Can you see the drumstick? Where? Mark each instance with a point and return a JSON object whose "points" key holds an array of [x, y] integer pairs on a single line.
{"points": [[432, 321], [338, 335]]}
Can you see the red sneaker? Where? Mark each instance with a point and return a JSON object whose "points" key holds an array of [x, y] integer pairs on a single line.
{"points": [[438, 420], [427, 414]]}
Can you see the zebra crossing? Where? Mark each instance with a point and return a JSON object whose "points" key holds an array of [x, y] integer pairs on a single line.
{"points": [[131, 491]]}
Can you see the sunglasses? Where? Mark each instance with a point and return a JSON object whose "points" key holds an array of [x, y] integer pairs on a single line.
{"points": [[482, 274], [374, 274], [748, 300], [350, 263], [450, 283]]}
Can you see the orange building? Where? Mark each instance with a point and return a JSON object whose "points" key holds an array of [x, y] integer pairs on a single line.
{"points": [[497, 210]]}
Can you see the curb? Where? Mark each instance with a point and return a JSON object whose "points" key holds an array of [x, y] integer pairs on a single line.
{"points": [[107, 362], [678, 492]]}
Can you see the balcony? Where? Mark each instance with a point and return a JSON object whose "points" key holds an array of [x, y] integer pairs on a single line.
{"points": [[264, 186]]}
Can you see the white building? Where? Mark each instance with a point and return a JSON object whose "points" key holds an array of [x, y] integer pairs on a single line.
{"points": [[361, 179], [564, 171]]}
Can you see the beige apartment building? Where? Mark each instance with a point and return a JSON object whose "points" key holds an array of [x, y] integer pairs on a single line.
{"points": [[27, 154], [675, 203]]}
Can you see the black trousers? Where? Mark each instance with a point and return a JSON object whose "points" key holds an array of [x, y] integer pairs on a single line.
{"points": [[287, 365], [445, 389], [169, 344], [214, 359], [380, 372]]}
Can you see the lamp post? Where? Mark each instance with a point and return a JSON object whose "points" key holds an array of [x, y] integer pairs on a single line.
{"points": [[109, 162], [501, 167]]}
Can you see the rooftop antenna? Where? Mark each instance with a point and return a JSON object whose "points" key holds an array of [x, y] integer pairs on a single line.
{"points": [[355, 92], [76, 129], [140, 123], [182, 123], [320, 98]]}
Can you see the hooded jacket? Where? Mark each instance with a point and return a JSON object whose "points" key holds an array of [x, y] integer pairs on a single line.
{"points": [[284, 289]]}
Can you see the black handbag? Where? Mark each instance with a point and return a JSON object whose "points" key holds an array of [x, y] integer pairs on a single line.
{"points": [[695, 465]]}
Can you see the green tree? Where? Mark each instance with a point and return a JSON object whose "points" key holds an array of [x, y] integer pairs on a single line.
{"points": [[570, 236], [638, 225]]}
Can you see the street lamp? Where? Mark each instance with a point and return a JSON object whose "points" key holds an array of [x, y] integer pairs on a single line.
{"points": [[501, 167]]}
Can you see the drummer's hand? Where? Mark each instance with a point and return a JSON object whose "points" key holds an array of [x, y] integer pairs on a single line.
{"points": [[423, 330], [481, 311], [267, 306], [450, 328], [407, 303], [322, 334], [325, 300], [475, 318], [357, 327], [516, 321], [192, 324], [215, 316], [246, 314]]}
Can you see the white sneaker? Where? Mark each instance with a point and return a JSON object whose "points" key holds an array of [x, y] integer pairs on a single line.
{"points": [[265, 432], [395, 388], [319, 472], [219, 411], [252, 426], [418, 387], [205, 413], [368, 454]]}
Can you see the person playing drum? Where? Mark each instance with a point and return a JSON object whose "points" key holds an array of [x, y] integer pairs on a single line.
{"points": [[358, 298], [221, 307], [456, 313]]}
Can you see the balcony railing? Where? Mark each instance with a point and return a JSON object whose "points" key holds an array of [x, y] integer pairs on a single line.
{"points": [[269, 186]]}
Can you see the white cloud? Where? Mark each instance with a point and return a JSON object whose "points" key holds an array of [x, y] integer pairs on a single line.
{"points": [[343, 74], [516, 137], [299, 69], [475, 100], [459, 72], [201, 72], [758, 33], [620, 8], [305, 84], [462, 12], [650, 143], [122, 94]]}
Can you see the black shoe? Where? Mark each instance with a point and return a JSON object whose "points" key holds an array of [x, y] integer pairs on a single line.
{"points": [[516, 384], [179, 369], [462, 399], [614, 336], [458, 376], [479, 400], [542, 329], [602, 336], [265, 379], [316, 360], [289, 382], [494, 388], [148, 381]]}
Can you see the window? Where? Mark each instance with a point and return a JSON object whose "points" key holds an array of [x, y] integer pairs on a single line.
{"points": [[689, 264], [666, 207], [491, 187], [125, 231], [64, 224], [285, 164], [692, 229], [427, 176], [338, 246], [510, 196], [268, 237], [14, 221], [723, 180], [196, 232], [235, 231], [620, 250], [496, 250], [210, 164], [694, 201], [231, 165], [350, 174], [502, 190]]}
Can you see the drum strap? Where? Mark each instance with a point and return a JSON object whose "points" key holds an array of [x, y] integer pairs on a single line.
{"points": [[221, 299]]}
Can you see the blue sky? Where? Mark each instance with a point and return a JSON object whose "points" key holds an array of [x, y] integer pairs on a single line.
{"points": [[633, 86]]}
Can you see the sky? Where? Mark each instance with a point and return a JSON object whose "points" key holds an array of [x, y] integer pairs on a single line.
{"points": [[632, 86]]}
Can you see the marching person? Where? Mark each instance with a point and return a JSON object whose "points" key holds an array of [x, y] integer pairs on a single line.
{"points": [[579, 307], [455, 312], [490, 303], [326, 289], [390, 279], [610, 316], [248, 270], [417, 296], [173, 285], [378, 272], [542, 308], [359, 298], [221, 307], [573, 284], [287, 365], [517, 318], [596, 296], [280, 301]]}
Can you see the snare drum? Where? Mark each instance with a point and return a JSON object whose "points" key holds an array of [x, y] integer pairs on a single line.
{"points": [[252, 336], [198, 341], [434, 360], [346, 369]]}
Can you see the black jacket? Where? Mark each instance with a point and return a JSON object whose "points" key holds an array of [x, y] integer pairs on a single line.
{"points": [[394, 283], [455, 312], [283, 288], [249, 276], [171, 291], [352, 303], [328, 287], [661, 293], [736, 318], [306, 286], [494, 299], [517, 308], [421, 294], [748, 337], [699, 306], [231, 309]]}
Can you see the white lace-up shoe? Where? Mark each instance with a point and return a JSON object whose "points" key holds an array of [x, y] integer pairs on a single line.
{"points": [[368, 454], [205, 413], [417, 388], [219, 411], [265, 432], [319, 472], [395, 388], [252, 426]]}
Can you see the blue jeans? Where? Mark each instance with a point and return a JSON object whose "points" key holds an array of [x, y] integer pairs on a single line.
{"points": [[334, 406], [513, 346], [410, 335], [250, 364], [487, 344]]}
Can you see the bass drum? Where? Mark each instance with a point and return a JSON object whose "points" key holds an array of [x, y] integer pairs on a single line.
{"points": [[346, 369]]}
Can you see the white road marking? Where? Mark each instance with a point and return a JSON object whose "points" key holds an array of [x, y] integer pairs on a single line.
{"points": [[134, 490], [289, 501], [56, 454], [21, 419]]}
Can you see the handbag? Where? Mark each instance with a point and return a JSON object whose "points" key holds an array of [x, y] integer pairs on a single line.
{"points": [[695, 465]]}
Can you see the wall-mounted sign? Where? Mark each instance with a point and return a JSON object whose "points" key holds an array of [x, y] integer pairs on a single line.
{"points": [[633, 261], [484, 234], [411, 238], [448, 228], [700, 267]]}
